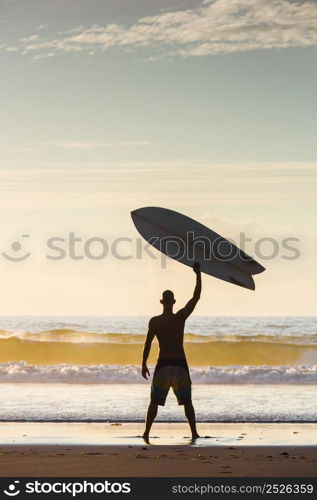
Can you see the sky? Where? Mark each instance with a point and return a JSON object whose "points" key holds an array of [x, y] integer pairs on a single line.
{"points": [[204, 107]]}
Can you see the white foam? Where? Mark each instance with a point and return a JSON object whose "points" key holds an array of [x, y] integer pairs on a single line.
{"points": [[21, 372]]}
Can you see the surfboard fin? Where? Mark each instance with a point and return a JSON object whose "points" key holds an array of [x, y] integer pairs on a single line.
{"points": [[239, 283]]}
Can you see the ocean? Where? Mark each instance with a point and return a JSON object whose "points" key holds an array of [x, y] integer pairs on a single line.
{"points": [[244, 369]]}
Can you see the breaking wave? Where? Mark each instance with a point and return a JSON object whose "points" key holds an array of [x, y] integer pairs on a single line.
{"points": [[64, 347], [21, 372]]}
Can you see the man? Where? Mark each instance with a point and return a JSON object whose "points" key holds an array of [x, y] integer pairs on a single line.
{"points": [[171, 369]]}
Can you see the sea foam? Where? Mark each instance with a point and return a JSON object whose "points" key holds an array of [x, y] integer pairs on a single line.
{"points": [[21, 372]]}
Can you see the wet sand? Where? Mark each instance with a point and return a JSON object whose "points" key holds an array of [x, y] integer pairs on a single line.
{"points": [[117, 450]]}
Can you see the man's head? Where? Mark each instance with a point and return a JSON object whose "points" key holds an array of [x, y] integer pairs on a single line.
{"points": [[167, 298]]}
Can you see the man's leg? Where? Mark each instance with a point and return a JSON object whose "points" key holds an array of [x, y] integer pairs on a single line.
{"points": [[190, 415], [151, 414]]}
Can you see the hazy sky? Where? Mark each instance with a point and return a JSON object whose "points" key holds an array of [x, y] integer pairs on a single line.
{"points": [[206, 107]]}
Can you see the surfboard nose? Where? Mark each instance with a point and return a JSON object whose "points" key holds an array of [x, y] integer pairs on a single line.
{"points": [[136, 211]]}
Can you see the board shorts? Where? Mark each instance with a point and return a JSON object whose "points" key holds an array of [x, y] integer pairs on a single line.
{"points": [[171, 373]]}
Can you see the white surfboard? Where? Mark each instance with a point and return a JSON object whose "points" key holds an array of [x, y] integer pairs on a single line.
{"points": [[188, 241]]}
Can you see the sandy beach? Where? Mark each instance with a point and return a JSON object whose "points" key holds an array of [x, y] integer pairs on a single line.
{"points": [[117, 450]]}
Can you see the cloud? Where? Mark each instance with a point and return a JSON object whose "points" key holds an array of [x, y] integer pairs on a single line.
{"points": [[216, 27], [30, 38], [131, 184], [80, 144], [17, 149], [42, 27], [74, 145], [43, 56]]}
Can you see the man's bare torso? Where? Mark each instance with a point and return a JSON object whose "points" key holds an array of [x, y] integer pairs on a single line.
{"points": [[169, 330]]}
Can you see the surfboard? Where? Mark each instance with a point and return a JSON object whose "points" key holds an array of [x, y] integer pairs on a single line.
{"points": [[186, 240]]}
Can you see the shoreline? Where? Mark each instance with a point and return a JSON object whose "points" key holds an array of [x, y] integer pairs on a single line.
{"points": [[158, 421], [119, 433]]}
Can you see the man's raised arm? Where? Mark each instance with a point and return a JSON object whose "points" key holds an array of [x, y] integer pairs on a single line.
{"points": [[147, 347], [190, 306]]}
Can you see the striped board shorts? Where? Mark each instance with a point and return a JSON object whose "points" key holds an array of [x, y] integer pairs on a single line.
{"points": [[173, 376]]}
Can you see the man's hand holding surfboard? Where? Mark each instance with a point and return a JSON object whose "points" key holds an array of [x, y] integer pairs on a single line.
{"points": [[196, 268]]}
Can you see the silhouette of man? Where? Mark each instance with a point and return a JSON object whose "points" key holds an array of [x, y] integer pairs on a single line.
{"points": [[171, 369]]}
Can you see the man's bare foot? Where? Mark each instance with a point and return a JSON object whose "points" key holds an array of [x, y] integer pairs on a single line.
{"points": [[146, 438], [194, 437]]}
